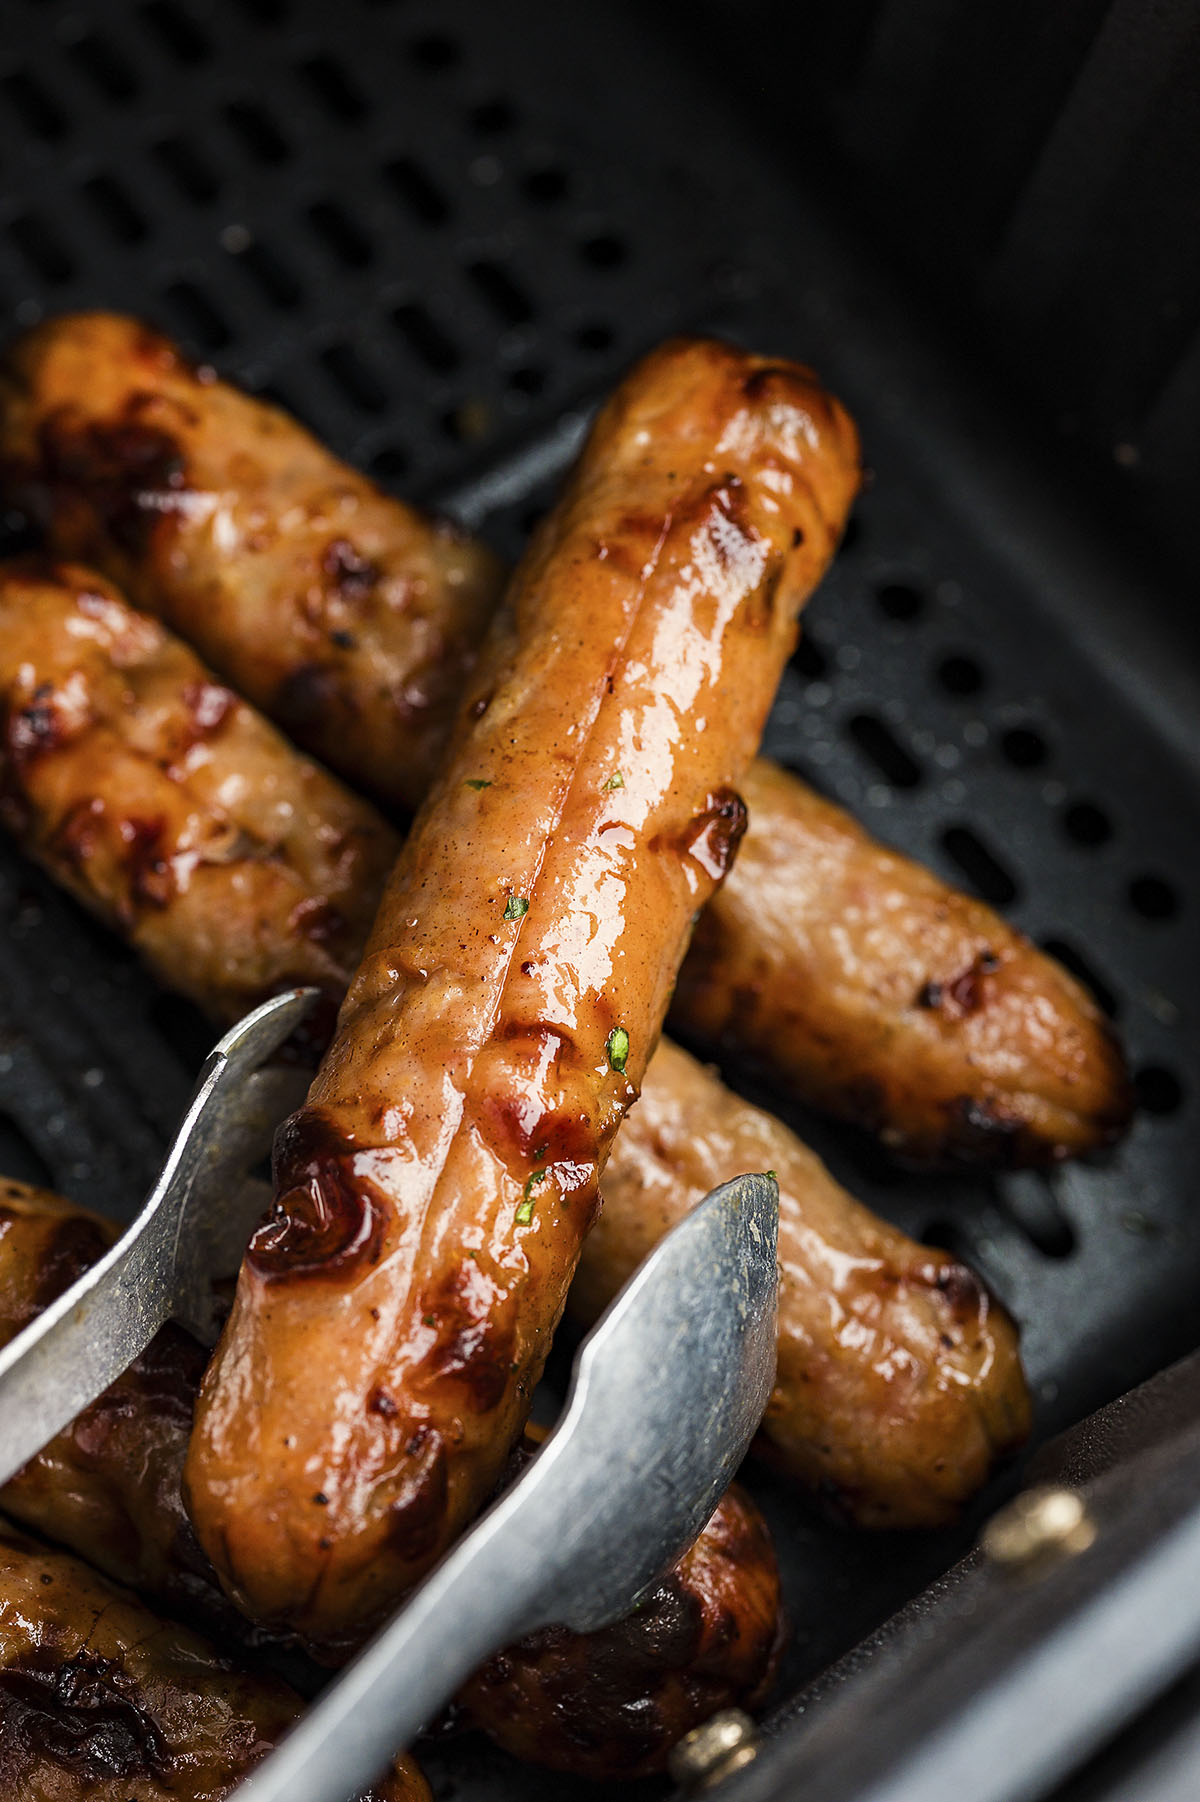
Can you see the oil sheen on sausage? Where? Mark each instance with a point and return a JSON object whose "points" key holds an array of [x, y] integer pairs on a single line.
{"points": [[394, 1312], [346, 615]]}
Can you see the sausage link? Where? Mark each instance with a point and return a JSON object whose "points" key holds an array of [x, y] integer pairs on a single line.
{"points": [[168, 806], [899, 1380], [344, 614], [873, 990], [859, 979], [689, 1133], [393, 1316], [100, 1698]]}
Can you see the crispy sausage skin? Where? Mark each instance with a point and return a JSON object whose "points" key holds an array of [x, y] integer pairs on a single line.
{"points": [[168, 806], [612, 1704], [899, 1379], [344, 614], [393, 1314], [875, 991], [103, 1700]]}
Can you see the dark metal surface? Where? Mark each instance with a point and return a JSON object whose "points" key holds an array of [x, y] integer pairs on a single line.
{"points": [[438, 230]]}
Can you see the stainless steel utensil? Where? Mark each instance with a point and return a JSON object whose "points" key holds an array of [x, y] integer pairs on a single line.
{"points": [[668, 1391], [194, 1225]]}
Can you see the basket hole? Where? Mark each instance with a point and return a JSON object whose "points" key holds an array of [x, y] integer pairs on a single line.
{"points": [[115, 210], [945, 1234], [899, 600], [1085, 972], [545, 187], [38, 112], [418, 193], [852, 536], [491, 117], [1024, 748], [184, 1028], [198, 316], [981, 867], [360, 386], [425, 337], [604, 251], [1153, 898], [44, 253], [531, 519], [1032, 1206], [257, 131], [960, 675], [389, 463], [809, 659], [509, 302], [20, 1157], [434, 51], [594, 337], [104, 67], [885, 751], [270, 274], [527, 379], [343, 234], [195, 179], [177, 31], [1087, 824], [1159, 1090], [333, 88]]}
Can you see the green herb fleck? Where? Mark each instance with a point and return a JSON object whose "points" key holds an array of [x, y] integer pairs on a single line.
{"points": [[525, 1213], [477, 782], [616, 780], [618, 1048], [428, 1320], [525, 1208], [515, 908], [774, 1175]]}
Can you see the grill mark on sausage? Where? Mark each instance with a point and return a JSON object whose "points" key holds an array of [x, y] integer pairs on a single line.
{"points": [[416, 1516], [475, 1339], [712, 836], [328, 1219], [83, 1714], [963, 994], [133, 471], [73, 1244], [306, 697], [350, 574]]}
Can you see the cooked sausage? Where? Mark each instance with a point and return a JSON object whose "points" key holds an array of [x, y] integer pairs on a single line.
{"points": [[687, 1134], [343, 613], [109, 1489], [875, 991], [899, 1380], [393, 1314], [612, 1704], [103, 1700], [168, 806], [861, 981]]}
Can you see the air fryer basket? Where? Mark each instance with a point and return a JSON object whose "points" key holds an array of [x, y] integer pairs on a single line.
{"points": [[436, 232]]}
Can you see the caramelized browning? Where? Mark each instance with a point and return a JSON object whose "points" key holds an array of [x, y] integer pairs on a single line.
{"points": [[612, 1704], [899, 1381], [344, 614], [871, 989], [513, 989], [103, 1700], [170, 808]]}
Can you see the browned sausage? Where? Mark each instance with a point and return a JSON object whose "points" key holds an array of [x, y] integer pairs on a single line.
{"points": [[863, 982], [612, 1704], [168, 806], [343, 613], [393, 1315], [899, 1379], [873, 990], [687, 1134], [102, 1700]]}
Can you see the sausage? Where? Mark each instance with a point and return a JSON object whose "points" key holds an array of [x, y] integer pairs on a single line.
{"points": [[899, 1379], [611, 1704], [394, 1312], [108, 1488], [866, 985], [100, 1698], [346, 615], [860, 981], [168, 806], [689, 1133]]}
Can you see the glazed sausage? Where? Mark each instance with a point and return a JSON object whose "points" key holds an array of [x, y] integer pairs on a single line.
{"points": [[344, 614], [103, 1700], [899, 1381], [862, 982], [168, 806], [689, 1133], [876, 992], [612, 1704], [393, 1314]]}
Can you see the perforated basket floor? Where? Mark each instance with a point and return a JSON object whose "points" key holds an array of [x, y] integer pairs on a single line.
{"points": [[436, 232]]}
